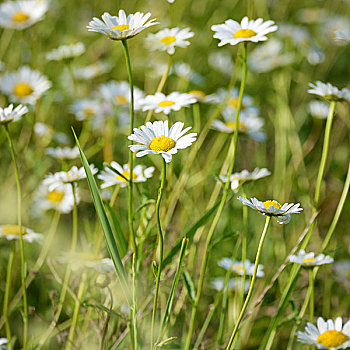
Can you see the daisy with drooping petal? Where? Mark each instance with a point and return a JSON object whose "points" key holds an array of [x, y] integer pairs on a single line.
{"points": [[167, 39], [24, 85], [328, 334], [157, 138], [238, 267], [162, 103], [22, 14], [329, 92], [65, 52], [111, 178], [240, 178], [63, 152], [273, 208], [8, 114], [233, 284], [11, 232], [319, 109], [232, 32], [121, 27], [309, 259]]}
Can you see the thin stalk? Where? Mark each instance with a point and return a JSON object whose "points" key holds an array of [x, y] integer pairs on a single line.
{"points": [[160, 242], [222, 202], [311, 302], [21, 245], [244, 249], [252, 283]]}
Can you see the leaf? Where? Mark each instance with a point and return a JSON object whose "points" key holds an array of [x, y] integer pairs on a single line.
{"points": [[189, 286], [115, 171], [165, 342], [105, 309], [155, 269]]}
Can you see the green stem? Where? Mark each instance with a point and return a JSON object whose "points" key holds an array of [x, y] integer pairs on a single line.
{"points": [[311, 303], [160, 239], [252, 283], [21, 245], [222, 202], [244, 249]]}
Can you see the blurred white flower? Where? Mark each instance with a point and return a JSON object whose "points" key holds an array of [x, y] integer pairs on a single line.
{"points": [[11, 232], [319, 109], [63, 152], [309, 259], [200, 96], [329, 92], [221, 61], [184, 71], [233, 284], [92, 71], [239, 267], [3, 342], [65, 52], [87, 108], [8, 114], [342, 36], [333, 24], [342, 269]]}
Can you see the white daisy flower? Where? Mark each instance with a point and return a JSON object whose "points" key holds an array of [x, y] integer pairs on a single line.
{"points": [[167, 39], [118, 93], [319, 109], [65, 52], [24, 85], [11, 232], [201, 96], [92, 71], [222, 62], [75, 174], [162, 103], [332, 24], [22, 14], [111, 178], [329, 92], [9, 114], [86, 108], [342, 36], [121, 27], [3, 342], [231, 32], [309, 259], [273, 208], [238, 267], [63, 152], [233, 284], [156, 138], [184, 71], [240, 178], [342, 269], [328, 334], [171, 1]]}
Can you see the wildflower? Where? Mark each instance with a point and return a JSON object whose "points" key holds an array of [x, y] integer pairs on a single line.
{"points": [[309, 259], [63, 152], [327, 335], [111, 178], [222, 62], [3, 342], [167, 39], [231, 32], [329, 92], [156, 138], [24, 85], [22, 14], [238, 267], [8, 114], [273, 208], [92, 71], [162, 103], [342, 36], [332, 24], [11, 232], [342, 269], [201, 96], [184, 71], [86, 108], [66, 52], [319, 109], [121, 27], [232, 284], [240, 178]]}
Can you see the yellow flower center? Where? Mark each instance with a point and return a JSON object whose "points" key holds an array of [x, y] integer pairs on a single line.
{"points": [[121, 27], [167, 40], [308, 260], [126, 174], [233, 102], [88, 111], [232, 125], [244, 34], [22, 89], [238, 267], [166, 103], [273, 203], [55, 196], [121, 100], [20, 16], [12, 230], [197, 93], [162, 144], [332, 339]]}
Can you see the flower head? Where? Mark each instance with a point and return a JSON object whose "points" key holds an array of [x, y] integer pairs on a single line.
{"points": [[11, 232], [157, 138], [342, 269], [3, 342], [329, 92], [342, 36], [273, 208], [327, 335], [239, 267], [309, 259], [232, 32], [233, 284], [121, 27], [63, 152], [319, 109], [9, 114], [66, 52]]}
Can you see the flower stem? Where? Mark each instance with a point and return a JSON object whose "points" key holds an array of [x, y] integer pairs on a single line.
{"points": [[21, 245], [160, 239], [311, 302], [222, 202], [252, 283]]}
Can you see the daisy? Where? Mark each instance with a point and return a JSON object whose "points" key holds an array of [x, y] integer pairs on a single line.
{"points": [[238, 267], [24, 85], [162, 103], [66, 52], [240, 178], [329, 92], [222, 62], [63, 152], [167, 39], [273, 208], [87, 108], [342, 36], [11, 232], [327, 335], [111, 178], [22, 14], [184, 71], [156, 138], [3, 342], [201, 96], [9, 114], [121, 27], [309, 259], [319, 109], [92, 71], [233, 284], [231, 32]]}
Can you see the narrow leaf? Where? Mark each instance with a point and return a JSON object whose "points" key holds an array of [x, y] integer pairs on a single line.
{"points": [[189, 286]]}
